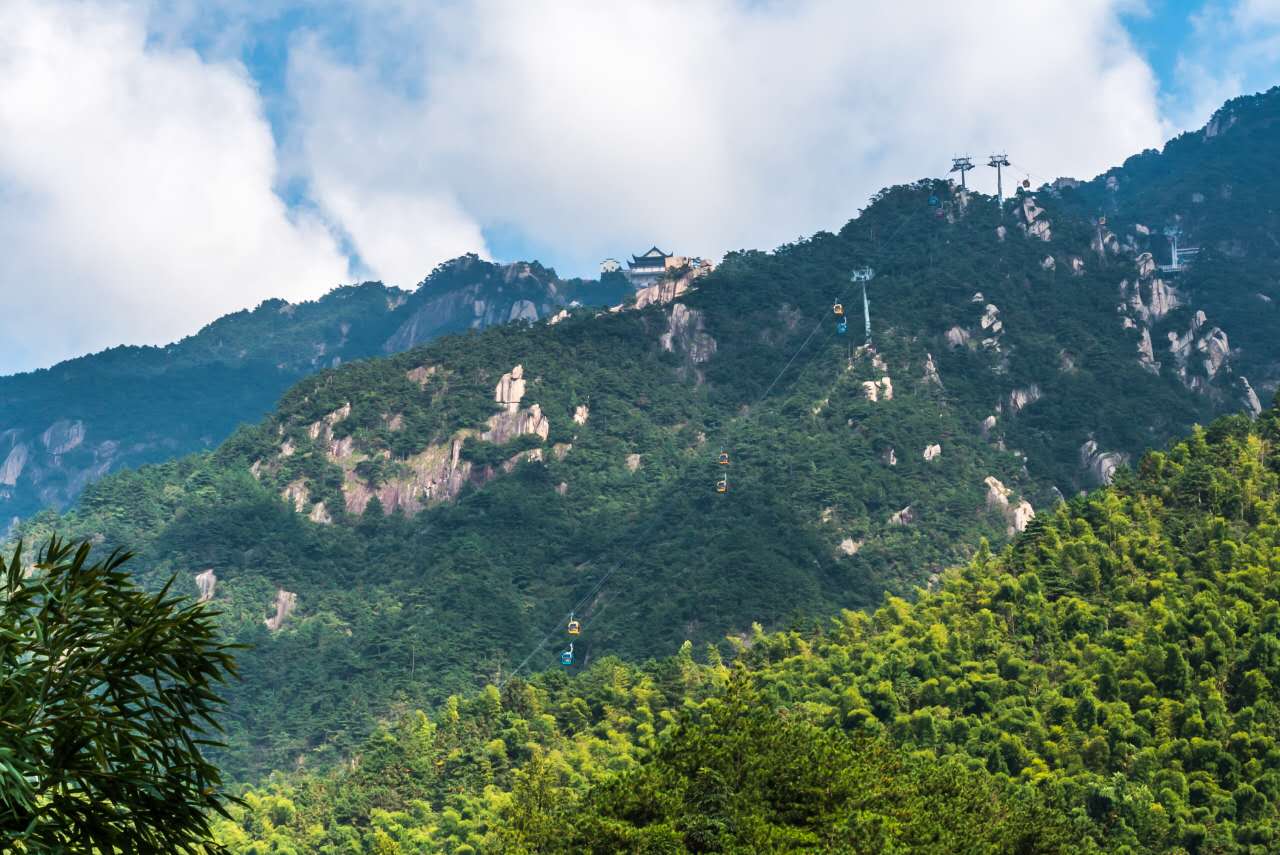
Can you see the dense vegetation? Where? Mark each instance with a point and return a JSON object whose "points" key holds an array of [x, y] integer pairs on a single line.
{"points": [[831, 500], [1107, 680], [107, 699]]}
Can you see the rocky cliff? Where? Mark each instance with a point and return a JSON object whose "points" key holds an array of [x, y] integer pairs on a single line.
{"points": [[67, 426]]}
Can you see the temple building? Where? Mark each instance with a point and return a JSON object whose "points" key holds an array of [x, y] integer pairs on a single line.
{"points": [[644, 270]]}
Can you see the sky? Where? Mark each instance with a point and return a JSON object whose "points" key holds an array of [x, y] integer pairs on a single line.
{"points": [[164, 162]]}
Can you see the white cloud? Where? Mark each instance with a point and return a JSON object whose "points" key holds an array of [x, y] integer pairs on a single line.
{"points": [[136, 176], [136, 197], [1233, 49], [601, 127]]}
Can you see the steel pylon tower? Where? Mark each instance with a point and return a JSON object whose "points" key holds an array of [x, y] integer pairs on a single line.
{"points": [[961, 165], [999, 160], [864, 275]]}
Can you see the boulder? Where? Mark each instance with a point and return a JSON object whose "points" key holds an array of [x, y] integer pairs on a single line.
{"points": [[932, 452]]}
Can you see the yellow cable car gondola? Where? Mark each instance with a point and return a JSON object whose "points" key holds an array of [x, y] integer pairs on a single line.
{"points": [[574, 626], [722, 486], [724, 458], [837, 310]]}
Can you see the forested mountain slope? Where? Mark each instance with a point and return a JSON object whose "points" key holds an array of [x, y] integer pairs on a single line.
{"points": [[63, 427], [407, 527], [1106, 682]]}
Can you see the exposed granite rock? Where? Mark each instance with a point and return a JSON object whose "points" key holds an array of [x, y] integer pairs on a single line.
{"points": [[931, 371], [932, 452], [63, 435], [1100, 465], [580, 414], [1020, 399], [906, 516], [686, 333], [286, 602], [206, 583], [1016, 514], [14, 463], [633, 462], [849, 546], [1250, 398], [297, 494], [957, 337]]}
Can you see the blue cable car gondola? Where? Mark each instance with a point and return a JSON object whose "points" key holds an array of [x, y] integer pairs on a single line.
{"points": [[933, 201], [566, 656], [843, 326]]}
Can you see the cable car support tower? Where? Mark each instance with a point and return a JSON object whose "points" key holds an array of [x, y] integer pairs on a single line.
{"points": [[862, 276], [999, 160], [961, 165]]}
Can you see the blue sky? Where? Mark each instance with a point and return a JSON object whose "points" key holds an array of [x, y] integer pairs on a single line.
{"points": [[163, 162]]}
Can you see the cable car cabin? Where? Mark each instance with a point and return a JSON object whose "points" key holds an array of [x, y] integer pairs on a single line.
{"points": [[722, 486], [837, 310], [574, 627], [566, 656], [842, 327], [933, 201], [724, 458]]}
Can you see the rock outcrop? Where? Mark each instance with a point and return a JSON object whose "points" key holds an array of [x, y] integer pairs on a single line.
{"points": [[633, 462], [931, 372], [1016, 514], [881, 390], [206, 584], [286, 602], [62, 436], [1249, 398], [1020, 399], [849, 546], [685, 334], [1146, 355], [296, 494], [932, 452], [580, 414], [906, 516], [957, 337], [1100, 465], [510, 389], [890, 457], [14, 462]]}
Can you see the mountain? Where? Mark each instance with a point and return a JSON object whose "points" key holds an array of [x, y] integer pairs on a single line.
{"points": [[66, 426], [1106, 683], [403, 528]]}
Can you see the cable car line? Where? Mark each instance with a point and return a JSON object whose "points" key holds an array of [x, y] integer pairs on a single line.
{"points": [[566, 657], [569, 621]]}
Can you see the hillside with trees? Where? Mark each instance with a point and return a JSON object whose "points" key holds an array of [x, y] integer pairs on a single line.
{"points": [[64, 427], [411, 527], [1106, 682]]}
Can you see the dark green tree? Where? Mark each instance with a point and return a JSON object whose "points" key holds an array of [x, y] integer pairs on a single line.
{"points": [[107, 695]]}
